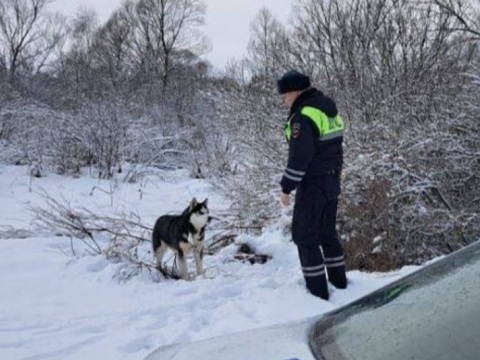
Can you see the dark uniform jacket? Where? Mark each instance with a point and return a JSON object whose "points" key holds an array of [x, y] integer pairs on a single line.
{"points": [[312, 154]]}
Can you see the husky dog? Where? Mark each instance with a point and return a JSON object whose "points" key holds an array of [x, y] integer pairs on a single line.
{"points": [[183, 234]]}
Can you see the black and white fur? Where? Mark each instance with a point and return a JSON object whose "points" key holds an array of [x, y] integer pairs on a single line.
{"points": [[183, 234]]}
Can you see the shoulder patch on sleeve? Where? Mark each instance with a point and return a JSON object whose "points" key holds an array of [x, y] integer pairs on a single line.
{"points": [[296, 127]]}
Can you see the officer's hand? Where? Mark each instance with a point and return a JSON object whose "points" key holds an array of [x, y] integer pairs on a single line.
{"points": [[285, 199]]}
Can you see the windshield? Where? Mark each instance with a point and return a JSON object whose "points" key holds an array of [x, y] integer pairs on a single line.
{"points": [[434, 314]]}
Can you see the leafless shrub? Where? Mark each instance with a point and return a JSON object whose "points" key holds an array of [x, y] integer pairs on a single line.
{"points": [[9, 232], [426, 209], [369, 231], [27, 131]]}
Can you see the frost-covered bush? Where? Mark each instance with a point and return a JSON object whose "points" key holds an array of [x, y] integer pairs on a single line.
{"points": [[414, 197], [26, 132]]}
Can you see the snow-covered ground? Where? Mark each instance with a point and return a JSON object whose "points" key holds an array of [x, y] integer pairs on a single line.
{"points": [[56, 306]]}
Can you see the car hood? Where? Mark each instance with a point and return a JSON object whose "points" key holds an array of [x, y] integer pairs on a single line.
{"points": [[280, 342]]}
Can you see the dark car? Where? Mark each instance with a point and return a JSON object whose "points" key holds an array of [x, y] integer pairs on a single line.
{"points": [[432, 314]]}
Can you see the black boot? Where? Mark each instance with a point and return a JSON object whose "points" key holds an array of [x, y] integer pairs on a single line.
{"points": [[313, 270], [337, 276], [317, 285]]}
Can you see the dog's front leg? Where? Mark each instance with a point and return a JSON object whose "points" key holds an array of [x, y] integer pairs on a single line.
{"points": [[198, 256], [185, 249], [182, 267]]}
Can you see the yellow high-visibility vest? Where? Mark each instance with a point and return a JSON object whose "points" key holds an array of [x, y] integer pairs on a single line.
{"points": [[328, 127]]}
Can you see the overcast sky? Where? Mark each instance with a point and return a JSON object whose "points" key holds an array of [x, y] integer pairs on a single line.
{"points": [[227, 21]]}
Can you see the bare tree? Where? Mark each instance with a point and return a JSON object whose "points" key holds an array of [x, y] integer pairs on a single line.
{"points": [[112, 49], [268, 39], [76, 66], [163, 27], [28, 34], [467, 18], [380, 55]]}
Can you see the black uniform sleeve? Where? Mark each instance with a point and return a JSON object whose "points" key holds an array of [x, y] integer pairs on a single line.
{"points": [[300, 153]]}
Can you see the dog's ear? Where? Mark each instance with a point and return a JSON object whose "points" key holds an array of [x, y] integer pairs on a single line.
{"points": [[193, 203], [205, 202]]}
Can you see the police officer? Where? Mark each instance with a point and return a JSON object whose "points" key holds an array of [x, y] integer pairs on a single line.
{"points": [[314, 131]]}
